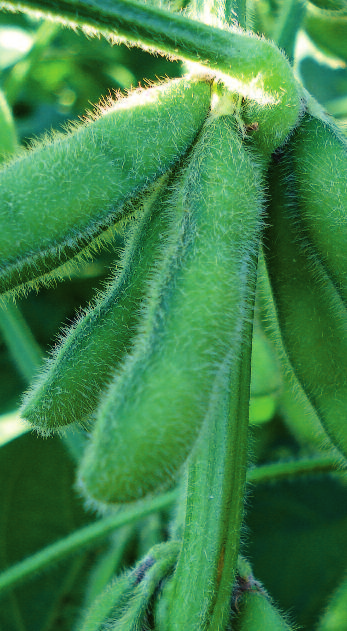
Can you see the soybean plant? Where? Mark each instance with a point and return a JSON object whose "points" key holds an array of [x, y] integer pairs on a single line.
{"points": [[206, 176]]}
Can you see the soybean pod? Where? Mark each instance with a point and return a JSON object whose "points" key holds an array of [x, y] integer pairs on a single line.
{"points": [[68, 389], [124, 602], [156, 566], [60, 196], [319, 159], [257, 613], [297, 411], [311, 314], [153, 411]]}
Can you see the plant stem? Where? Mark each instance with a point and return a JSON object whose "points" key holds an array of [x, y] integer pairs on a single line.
{"points": [[200, 591], [246, 58], [82, 538], [169, 33], [235, 475], [24, 349], [278, 471], [27, 356]]}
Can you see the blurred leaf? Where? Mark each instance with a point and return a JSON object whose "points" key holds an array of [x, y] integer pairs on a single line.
{"points": [[65, 73], [8, 134], [298, 541], [11, 425], [14, 43], [327, 30], [38, 508], [262, 409], [324, 82]]}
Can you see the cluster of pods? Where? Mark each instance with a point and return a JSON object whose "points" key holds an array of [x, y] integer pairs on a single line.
{"points": [[205, 203]]}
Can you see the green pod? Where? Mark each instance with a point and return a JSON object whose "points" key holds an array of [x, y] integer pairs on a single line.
{"points": [[153, 411], [114, 597], [327, 31], [296, 409], [68, 390], [319, 154], [58, 197], [311, 315], [257, 613], [154, 569], [124, 602]]}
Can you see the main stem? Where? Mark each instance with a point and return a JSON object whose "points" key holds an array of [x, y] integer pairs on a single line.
{"points": [[200, 593], [233, 52]]}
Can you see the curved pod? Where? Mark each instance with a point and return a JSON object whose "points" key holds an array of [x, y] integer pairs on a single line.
{"points": [[82, 365], [58, 197], [258, 613], [311, 315], [319, 154], [298, 412]]}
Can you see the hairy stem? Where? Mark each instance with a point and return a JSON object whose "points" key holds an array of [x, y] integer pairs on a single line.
{"points": [[277, 471], [263, 72]]}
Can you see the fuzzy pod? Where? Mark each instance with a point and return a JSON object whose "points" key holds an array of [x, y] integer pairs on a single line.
{"points": [[151, 572], [257, 613], [124, 602], [82, 365], [297, 411], [319, 158], [311, 315], [62, 194], [153, 411], [198, 597], [114, 597], [328, 31]]}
